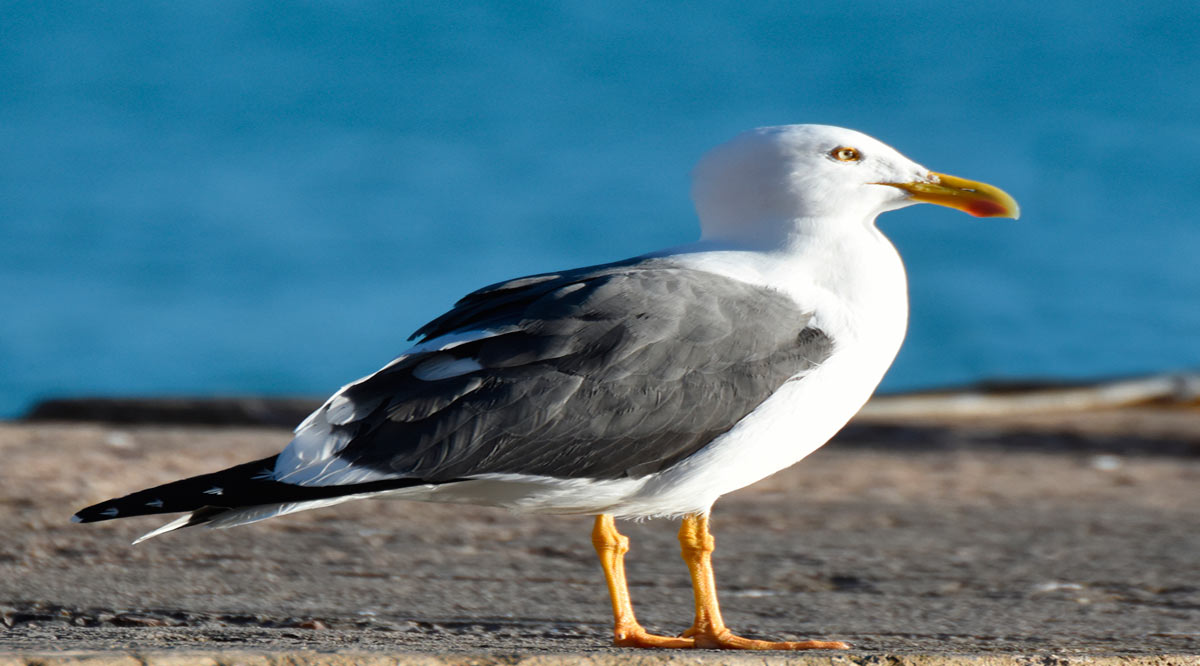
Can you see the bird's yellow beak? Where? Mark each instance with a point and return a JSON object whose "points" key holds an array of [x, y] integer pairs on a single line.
{"points": [[978, 199]]}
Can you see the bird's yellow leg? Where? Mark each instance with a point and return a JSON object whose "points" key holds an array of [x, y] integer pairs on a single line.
{"points": [[709, 630], [611, 546]]}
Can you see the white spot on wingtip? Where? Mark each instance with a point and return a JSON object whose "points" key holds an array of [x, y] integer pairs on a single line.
{"points": [[110, 512], [215, 490], [76, 519], [156, 504]]}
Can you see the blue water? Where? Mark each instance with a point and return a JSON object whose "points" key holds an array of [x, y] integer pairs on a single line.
{"points": [[266, 198]]}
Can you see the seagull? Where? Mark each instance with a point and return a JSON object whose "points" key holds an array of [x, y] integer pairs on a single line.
{"points": [[643, 388]]}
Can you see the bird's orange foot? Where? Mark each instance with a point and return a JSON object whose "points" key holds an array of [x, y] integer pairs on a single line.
{"points": [[636, 637], [727, 640]]}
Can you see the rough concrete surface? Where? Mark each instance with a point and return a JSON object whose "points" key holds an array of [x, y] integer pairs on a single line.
{"points": [[928, 544]]}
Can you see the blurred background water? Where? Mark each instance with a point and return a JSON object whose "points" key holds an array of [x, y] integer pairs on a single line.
{"points": [[266, 198]]}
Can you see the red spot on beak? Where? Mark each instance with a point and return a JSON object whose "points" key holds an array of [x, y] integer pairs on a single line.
{"points": [[981, 208]]}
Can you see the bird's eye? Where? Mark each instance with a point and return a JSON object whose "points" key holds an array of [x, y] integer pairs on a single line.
{"points": [[845, 154]]}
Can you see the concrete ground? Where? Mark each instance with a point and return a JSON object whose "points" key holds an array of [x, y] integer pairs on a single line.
{"points": [[1047, 539]]}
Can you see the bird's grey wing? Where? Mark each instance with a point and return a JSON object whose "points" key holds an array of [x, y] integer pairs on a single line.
{"points": [[617, 371]]}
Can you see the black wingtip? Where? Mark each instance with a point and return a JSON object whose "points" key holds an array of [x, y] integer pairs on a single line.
{"points": [[183, 495], [244, 485], [106, 510]]}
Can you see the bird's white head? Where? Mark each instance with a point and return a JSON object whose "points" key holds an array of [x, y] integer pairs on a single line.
{"points": [[765, 181]]}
